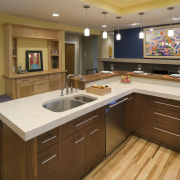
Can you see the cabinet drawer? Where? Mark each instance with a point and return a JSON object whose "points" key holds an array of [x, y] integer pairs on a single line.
{"points": [[24, 80], [47, 139], [48, 163], [80, 123], [164, 103], [164, 126], [41, 78], [54, 76], [42, 86]]}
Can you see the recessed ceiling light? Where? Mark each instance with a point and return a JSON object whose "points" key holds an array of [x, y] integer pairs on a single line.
{"points": [[55, 14], [175, 19], [104, 26], [134, 24]]}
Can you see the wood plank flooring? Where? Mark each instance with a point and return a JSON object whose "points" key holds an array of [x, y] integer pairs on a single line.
{"points": [[138, 159]]}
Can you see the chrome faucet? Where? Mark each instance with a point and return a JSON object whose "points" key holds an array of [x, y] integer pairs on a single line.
{"points": [[67, 81]]}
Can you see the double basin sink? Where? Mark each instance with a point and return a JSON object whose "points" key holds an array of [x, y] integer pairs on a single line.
{"points": [[67, 103]]}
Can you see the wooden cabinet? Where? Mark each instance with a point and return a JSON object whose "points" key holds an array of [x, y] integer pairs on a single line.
{"points": [[82, 146], [140, 114], [164, 121], [56, 81], [55, 47], [27, 85], [48, 161]]}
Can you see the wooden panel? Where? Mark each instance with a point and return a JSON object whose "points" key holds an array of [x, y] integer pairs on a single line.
{"points": [[140, 116], [164, 103], [24, 90], [55, 84], [95, 146], [164, 126], [48, 163], [39, 87], [47, 139], [72, 156], [41, 78], [15, 164], [35, 32], [55, 76], [24, 80]]}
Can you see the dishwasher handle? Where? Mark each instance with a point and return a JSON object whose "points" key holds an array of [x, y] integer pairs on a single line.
{"points": [[119, 102]]}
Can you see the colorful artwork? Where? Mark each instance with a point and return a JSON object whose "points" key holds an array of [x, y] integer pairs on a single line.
{"points": [[157, 44], [34, 61]]}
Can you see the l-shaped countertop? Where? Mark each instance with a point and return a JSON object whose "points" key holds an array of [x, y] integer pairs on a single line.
{"points": [[28, 118]]}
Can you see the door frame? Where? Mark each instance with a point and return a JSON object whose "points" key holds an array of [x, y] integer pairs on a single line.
{"points": [[75, 54]]}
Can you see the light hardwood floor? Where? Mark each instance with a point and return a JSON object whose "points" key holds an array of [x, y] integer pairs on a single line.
{"points": [[138, 159]]}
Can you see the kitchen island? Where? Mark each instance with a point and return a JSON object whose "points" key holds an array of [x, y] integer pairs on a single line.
{"points": [[26, 123]]}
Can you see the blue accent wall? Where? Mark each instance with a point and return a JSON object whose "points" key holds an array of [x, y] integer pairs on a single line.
{"points": [[130, 46]]}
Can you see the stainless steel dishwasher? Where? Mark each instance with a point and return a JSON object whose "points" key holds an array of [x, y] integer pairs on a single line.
{"points": [[115, 123]]}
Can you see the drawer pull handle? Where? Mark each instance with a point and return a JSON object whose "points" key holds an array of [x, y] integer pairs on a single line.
{"points": [[52, 157], [92, 132], [167, 116], [159, 129], [49, 139], [24, 80], [79, 140], [157, 102], [77, 125]]}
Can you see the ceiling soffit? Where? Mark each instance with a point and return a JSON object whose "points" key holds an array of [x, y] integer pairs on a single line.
{"points": [[122, 7]]}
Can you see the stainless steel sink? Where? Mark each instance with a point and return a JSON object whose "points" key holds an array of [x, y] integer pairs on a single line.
{"points": [[66, 103], [85, 98]]}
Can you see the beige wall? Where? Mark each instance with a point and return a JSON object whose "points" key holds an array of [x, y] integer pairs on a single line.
{"points": [[5, 18]]}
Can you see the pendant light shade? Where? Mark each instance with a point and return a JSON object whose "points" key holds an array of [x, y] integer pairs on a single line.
{"points": [[170, 31], [86, 30], [141, 34], [104, 34], [118, 35]]}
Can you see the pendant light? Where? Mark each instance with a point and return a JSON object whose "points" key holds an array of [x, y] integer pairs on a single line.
{"points": [[86, 30], [170, 31], [118, 35], [141, 34], [104, 34]]}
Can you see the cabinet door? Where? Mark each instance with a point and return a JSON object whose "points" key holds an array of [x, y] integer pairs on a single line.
{"points": [[48, 163], [40, 87], [140, 115], [95, 144], [56, 81], [72, 157], [24, 90], [164, 126]]}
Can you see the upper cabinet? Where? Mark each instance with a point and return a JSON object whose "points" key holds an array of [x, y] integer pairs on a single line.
{"points": [[55, 47]]}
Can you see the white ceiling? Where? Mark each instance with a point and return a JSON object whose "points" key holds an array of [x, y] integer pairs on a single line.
{"points": [[72, 13]]}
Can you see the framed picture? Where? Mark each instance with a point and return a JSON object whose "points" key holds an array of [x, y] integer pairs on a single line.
{"points": [[157, 43], [34, 61]]}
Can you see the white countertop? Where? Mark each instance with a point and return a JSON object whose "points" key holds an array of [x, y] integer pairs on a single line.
{"points": [[28, 118]]}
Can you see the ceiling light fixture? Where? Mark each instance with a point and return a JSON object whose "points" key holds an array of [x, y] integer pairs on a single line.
{"points": [[170, 31], [141, 34], [118, 35], [55, 14], [104, 35], [86, 30]]}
